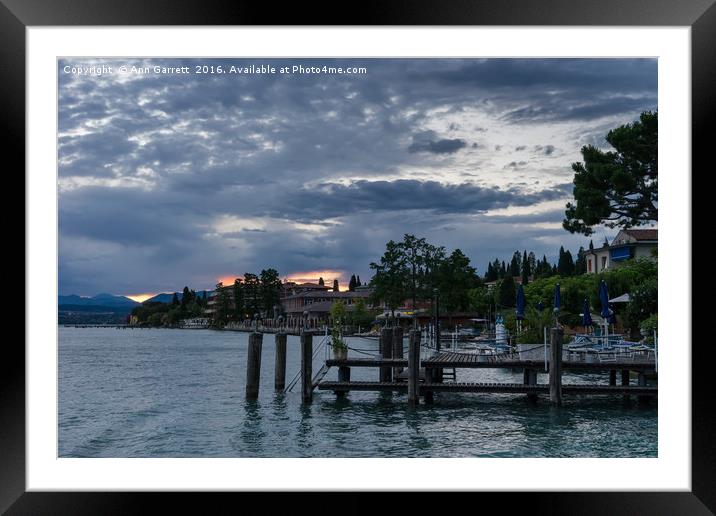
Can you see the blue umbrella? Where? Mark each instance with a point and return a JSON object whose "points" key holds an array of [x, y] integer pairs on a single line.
{"points": [[612, 319], [557, 298], [520, 312], [586, 316], [604, 299]]}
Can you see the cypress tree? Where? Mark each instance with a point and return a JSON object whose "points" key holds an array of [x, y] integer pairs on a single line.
{"points": [[525, 269], [352, 283], [335, 285], [320, 282]]}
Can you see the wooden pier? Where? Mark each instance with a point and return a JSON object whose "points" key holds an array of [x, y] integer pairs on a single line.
{"points": [[423, 377], [431, 379]]}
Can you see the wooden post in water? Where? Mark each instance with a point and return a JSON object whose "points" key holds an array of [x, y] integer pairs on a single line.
{"points": [[280, 364], [344, 375], [641, 382], [612, 377], [253, 365], [555, 367], [429, 378], [530, 378], [413, 367], [625, 381], [386, 351], [306, 367], [397, 348]]}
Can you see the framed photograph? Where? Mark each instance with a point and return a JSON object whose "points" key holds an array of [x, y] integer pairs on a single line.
{"points": [[420, 252]]}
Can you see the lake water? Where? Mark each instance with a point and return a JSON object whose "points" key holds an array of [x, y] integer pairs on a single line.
{"points": [[180, 393]]}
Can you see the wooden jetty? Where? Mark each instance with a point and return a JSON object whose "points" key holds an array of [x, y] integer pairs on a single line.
{"points": [[432, 380], [423, 377]]}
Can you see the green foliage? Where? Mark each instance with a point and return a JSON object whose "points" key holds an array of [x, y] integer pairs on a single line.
{"points": [[413, 268], [391, 277], [627, 278], [649, 326], [270, 291], [506, 293], [239, 301], [617, 188], [456, 277], [338, 317], [360, 316], [481, 299], [533, 325], [642, 305], [252, 294]]}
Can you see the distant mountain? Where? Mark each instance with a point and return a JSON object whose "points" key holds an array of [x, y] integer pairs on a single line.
{"points": [[107, 300], [166, 297]]}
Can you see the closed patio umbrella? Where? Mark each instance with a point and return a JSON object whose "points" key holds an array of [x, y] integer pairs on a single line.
{"points": [[606, 313], [586, 316], [520, 307]]}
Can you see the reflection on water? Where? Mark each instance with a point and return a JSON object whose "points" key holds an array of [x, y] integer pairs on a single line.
{"points": [[180, 393]]}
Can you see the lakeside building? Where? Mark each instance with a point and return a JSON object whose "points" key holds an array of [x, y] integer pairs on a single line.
{"points": [[317, 303], [628, 244], [297, 298]]}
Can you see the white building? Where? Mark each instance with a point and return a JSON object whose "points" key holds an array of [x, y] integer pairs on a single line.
{"points": [[628, 244]]}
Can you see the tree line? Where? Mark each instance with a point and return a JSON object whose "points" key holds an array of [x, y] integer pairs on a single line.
{"points": [[415, 270], [156, 313], [251, 296], [527, 266]]}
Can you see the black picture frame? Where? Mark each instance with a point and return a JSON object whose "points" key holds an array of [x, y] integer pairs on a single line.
{"points": [[700, 15]]}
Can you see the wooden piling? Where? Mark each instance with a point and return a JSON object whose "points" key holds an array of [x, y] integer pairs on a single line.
{"points": [[306, 367], [625, 381], [253, 365], [386, 351], [641, 382], [397, 340], [530, 378], [344, 375], [280, 364], [413, 366], [555, 367]]}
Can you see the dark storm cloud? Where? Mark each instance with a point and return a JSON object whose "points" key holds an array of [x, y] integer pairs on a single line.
{"points": [[547, 150], [425, 142], [148, 164]]}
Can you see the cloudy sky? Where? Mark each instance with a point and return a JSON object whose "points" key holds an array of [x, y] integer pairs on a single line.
{"points": [[168, 180]]}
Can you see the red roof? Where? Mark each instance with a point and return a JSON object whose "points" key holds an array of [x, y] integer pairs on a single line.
{"points": [[643, 234]]}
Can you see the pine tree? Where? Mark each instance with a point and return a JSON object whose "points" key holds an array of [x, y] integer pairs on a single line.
{"points": [[507, 292], [175, 299], [503, 270], [526, 272], [515, 264], [358, 283], [321, 282], [580, 264]]}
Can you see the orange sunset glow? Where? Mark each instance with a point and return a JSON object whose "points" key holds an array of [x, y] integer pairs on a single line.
{"points": [[228, 280], [140, 298], [312, 277]]}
